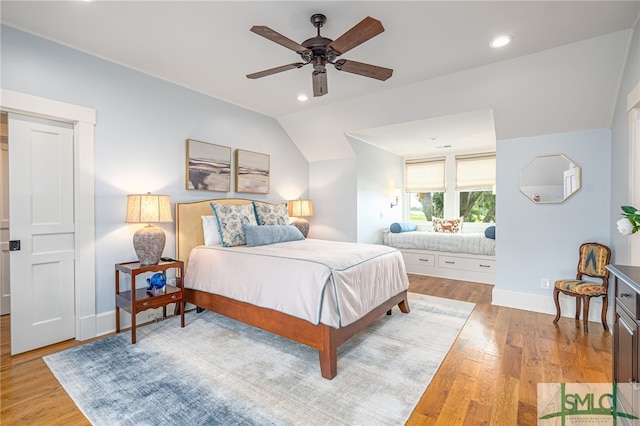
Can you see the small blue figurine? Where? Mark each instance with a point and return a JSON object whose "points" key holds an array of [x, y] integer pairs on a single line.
{"points": [[156, 282]]}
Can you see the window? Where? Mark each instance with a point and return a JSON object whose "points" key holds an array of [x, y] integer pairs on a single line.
{"points": [[425, 175], [475, 181], [475, 171], [478, 206], [425, 205], [429, 183]]}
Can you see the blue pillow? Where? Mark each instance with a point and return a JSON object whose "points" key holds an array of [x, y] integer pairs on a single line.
{"points": [[402, 227], [262, 235], [490, 232]]}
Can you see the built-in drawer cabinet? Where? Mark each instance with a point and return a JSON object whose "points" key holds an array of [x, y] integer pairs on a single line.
{"points": [[466, 264], [421, 259], [626, 341]]}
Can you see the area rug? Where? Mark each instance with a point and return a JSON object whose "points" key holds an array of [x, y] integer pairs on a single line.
{"points": [[219, 371]]}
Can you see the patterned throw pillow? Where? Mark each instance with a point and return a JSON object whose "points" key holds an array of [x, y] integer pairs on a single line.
{"points": [[271, 214], [452, 226], [230, 221]]}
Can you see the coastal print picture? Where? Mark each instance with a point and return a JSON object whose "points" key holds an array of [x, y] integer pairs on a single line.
{"points": [[208, 166], [252, 172]]}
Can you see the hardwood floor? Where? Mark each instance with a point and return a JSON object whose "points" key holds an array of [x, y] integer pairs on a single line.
{"points": [[489, 376]]}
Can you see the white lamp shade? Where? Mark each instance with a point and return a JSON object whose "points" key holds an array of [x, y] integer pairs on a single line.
{"points": [[148, 208], [149, 241], [300, 208]]}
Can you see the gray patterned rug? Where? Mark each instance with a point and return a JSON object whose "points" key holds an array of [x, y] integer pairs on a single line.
{"points": [[216, 371]]}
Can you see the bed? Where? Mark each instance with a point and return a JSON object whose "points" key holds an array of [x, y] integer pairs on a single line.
{"points": [[459, 256], [216, 278]]}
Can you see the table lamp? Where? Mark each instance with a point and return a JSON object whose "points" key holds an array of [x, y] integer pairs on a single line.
{"points": [[300, 209], [148, 242]]}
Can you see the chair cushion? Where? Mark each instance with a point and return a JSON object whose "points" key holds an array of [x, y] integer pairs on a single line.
{"points": [[581, 287]]}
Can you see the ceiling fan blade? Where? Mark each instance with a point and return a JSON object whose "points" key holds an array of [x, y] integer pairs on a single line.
{"points": [[276, 70], [320, 83], [276, 37], [367, 70], [366, 29]]}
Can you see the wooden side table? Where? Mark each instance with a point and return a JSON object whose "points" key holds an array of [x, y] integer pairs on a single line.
{"points": [[139, 299]]}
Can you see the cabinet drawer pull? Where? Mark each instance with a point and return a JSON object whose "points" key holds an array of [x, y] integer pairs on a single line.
{"points": [[449, 262], [145, 303], [485, 266], [423, 260], [173, 297], [625, 294]]}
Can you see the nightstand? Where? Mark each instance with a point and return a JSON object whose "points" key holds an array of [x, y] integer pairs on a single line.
{"points": [[139, 299]]}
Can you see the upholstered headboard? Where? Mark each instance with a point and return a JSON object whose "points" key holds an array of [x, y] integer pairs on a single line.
{"points": [[189, 232]]}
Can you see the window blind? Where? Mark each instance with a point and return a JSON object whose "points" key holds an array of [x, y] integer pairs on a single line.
{"points": [[475, 171], [425, 175]]}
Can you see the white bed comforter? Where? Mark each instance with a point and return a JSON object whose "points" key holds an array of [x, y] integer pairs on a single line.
{"points": [[472, 243], [334, 283]]}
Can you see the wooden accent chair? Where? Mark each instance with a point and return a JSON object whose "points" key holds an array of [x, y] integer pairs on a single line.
{"points": [[593, 259]]}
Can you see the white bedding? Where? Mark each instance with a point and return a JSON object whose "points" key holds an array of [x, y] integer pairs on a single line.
{"points": [[334, 283], [472, 243]]}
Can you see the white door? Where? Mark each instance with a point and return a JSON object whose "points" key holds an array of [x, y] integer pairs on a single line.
{"points": [[42, 221], [5, 290]]}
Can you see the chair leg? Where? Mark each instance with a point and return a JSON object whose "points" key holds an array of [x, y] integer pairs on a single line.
{"points": [[578, 307], [556, 294], [585, 314], [605, 306]]}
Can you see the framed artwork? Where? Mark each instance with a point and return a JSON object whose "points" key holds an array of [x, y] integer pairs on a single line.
{"points": [[208, 166], [252, 172]]}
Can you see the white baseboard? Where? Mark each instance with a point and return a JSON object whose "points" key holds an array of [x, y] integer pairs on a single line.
{"points": [[106, 321], [87, 328], [546, 305]]}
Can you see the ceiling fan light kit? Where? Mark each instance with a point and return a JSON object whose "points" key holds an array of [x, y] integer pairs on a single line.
{"points": [[320, 51]]}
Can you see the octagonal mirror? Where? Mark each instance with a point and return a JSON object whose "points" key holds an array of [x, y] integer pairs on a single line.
{"points": [[549, 179]]}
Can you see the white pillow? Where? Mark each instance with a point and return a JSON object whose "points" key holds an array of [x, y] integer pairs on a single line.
{"points": [[210, 230]]}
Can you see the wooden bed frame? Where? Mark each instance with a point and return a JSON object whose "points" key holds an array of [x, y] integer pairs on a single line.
{"points": [[325, 339]]}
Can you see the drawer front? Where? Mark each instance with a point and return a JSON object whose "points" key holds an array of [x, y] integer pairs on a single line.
{"points": [[411, 258], [467, 264], [158, 301], [627, 297]]}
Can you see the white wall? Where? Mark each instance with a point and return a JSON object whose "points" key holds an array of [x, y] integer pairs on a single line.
{"points": [[620, 180], [333, 190], [537, 241], [142, 126], [379, 174]]}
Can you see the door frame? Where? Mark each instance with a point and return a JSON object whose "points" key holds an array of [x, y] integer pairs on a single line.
{"points": [[633, 110], [83, 120]]}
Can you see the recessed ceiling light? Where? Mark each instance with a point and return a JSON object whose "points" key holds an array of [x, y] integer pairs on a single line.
{"points": [[501, 41], [302, 97]]}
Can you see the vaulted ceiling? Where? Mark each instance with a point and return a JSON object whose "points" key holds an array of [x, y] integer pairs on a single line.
{"points": [[560, 73]]}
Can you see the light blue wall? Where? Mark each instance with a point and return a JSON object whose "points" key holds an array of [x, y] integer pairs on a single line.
{"points": [[142, 126], [535, 241], [379, 173], [333, 190], [620, 150]]}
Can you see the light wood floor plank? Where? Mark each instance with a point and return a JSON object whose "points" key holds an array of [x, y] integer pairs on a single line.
{"points": [[489, 376]]}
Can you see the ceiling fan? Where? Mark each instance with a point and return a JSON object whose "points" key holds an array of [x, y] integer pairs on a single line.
{"points": [[320, 51]]}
